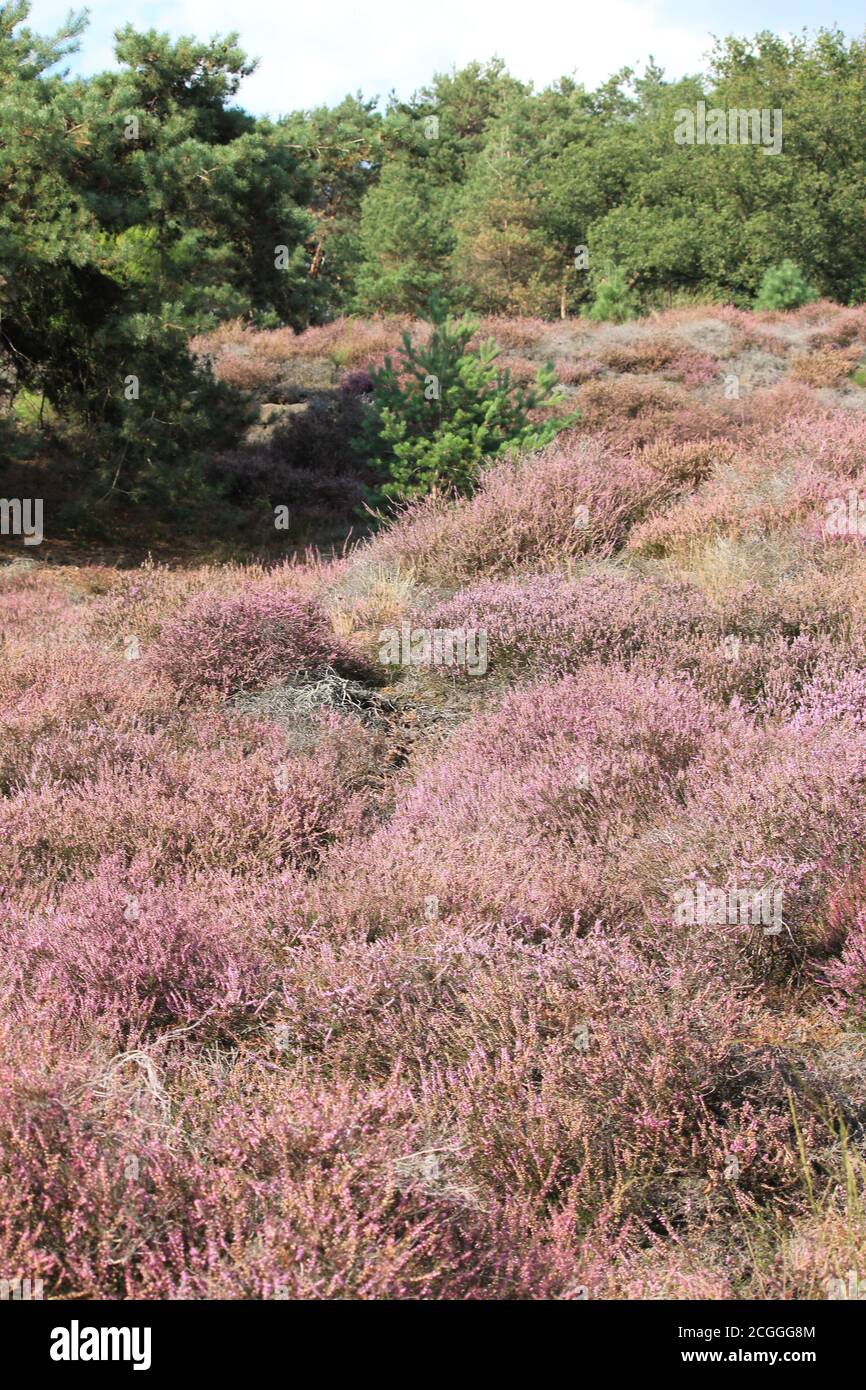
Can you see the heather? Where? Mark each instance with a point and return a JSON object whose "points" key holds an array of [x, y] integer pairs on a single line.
{"points": [[245, 641], [573, 499], [561, 777], [555, 624], [433, 707], [323, 977]]}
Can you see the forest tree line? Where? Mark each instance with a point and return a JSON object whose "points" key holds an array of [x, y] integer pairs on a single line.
{"points": [[143, 204]]}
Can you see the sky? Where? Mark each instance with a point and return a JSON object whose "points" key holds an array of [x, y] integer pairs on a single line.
{"points": [[313, 54]]}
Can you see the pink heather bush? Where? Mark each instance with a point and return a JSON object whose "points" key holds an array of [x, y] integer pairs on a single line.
{"points": [[845, 978], [560, 778], [246, 641], [65, 709], [782, 474], [568, 1066], [747, 500], [783, 809], [553, 625], [549, 623], [32, 610], [121, 958], [628, 415], [825, 1254], [693, 369], [830, 697], [226, 794], [238, 367], [652, 1082], [520, 368], [756, 330], [573, 499], [843, 914], [590, 1019], [283, 1187]]}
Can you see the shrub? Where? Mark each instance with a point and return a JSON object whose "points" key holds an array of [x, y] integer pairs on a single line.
{"points": [[744, 500], [357, 383], [615, 301], [645, 1090], [797, 825], [318, 439], [65, 713], [784, 286], [119, 957], [689, 461], [832, 695], [843, 327], [826, 367], [548, 623], [320, 502], [263, 1183], [664, 356], [446, 408], [561, 776], [650, 354], [575, 498], [552, 625], [631, 414], [243, 642], [225, 793], [845, 978], [513, 333]]}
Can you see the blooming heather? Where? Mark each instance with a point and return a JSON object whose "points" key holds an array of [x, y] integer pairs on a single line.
{"points": [[574, 499], [245, 641], [550, 623], [560, 777], [312, 987]]}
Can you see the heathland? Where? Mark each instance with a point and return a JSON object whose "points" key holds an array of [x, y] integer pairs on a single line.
{"points": [[542, 975]]}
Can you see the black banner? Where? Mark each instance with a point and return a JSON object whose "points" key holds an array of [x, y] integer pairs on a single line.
{"points": [[87, 1340]]}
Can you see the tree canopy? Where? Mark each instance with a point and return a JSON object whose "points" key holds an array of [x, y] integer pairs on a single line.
{"points": [[143, 205]]}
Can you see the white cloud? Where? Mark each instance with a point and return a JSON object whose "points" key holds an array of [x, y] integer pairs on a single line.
{"points": [[316, 53], [392, 44]]}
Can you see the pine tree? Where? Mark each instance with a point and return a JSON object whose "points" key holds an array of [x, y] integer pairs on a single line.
{"points": [[404, 242], [504, 261], [445, 407], [138, 206]]}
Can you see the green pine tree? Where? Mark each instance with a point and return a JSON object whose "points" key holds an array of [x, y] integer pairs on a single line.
{"points": [[444, 408]]}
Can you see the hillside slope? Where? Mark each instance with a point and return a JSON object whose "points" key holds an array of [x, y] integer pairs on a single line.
{"points": [[480, 913]]}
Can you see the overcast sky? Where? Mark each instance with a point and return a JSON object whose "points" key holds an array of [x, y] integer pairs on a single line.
{"points": [[313, 54]]}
